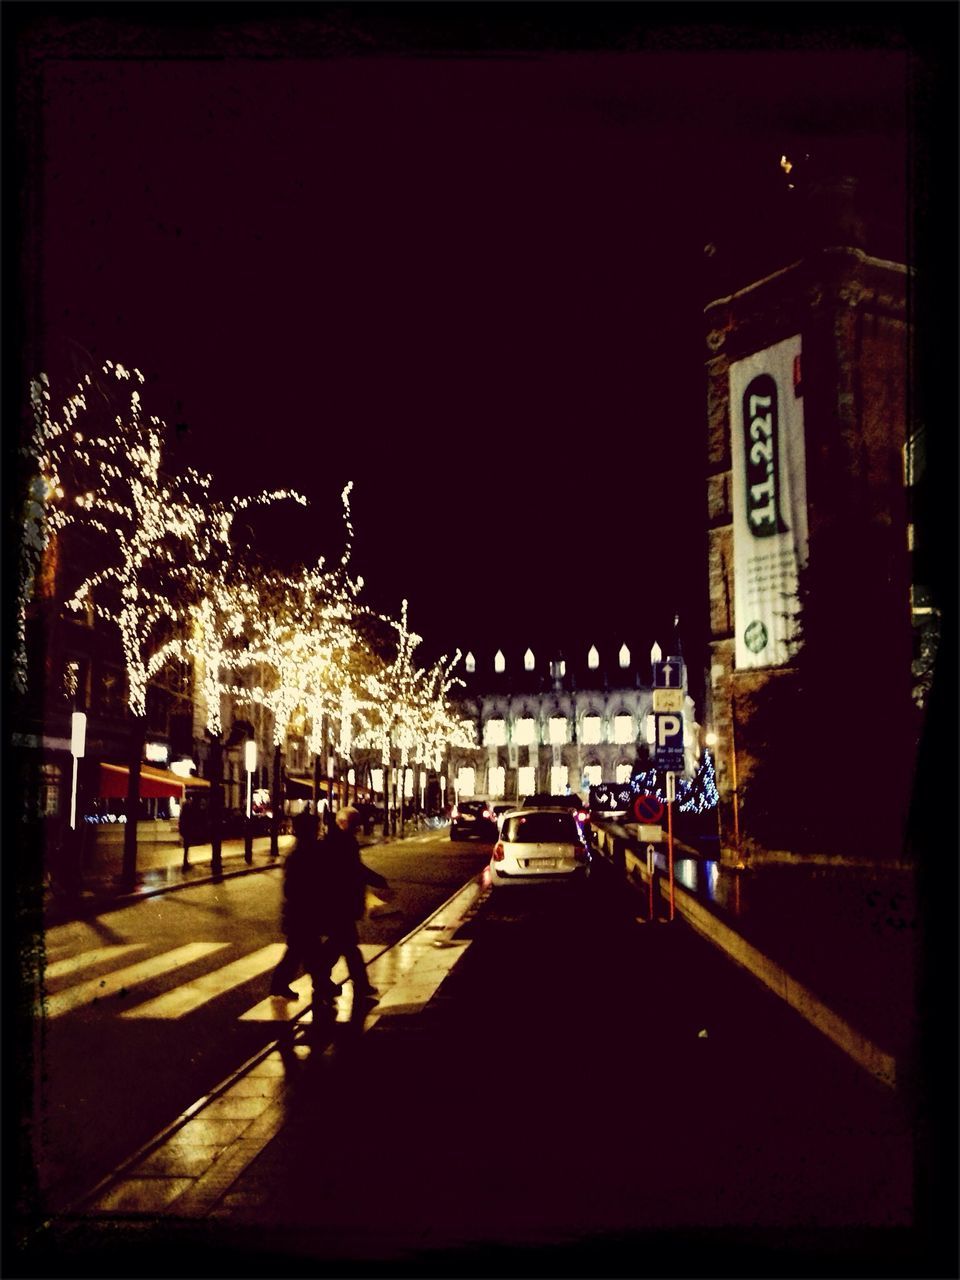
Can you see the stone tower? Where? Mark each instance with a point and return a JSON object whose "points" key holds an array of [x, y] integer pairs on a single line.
{"points": [[809, 569]]}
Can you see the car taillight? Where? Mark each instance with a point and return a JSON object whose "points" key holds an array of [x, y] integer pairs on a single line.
{"points": [[582, 816], [498, 851], [488, 813]]}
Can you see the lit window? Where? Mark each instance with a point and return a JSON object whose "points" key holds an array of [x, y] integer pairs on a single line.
{"points": [[495, 733], [50, 781], [624, 772], [592, 726], [524, 731], [71, 681], [651, 729], [499, 662], [351, 776], [593, 658], [470, 663], [559, 779], [527, 780], [408, 783], [528, 660], [592, 775], [623, 730], [496, 783], [624, 656], [558, 730], [466, 780]]}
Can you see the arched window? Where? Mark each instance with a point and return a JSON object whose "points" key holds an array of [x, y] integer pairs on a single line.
{"points": [[624, 656], [499, 662], [528, 661], [623, 729], [559, 779], [495, 733], [525, 731], [593, 658], [470, 663], [592, 775], [624, 772], [558, 730], [592, 730], [466, 780]]}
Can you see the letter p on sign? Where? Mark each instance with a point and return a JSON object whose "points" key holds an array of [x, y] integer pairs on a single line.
{"points": [[668, 726]]}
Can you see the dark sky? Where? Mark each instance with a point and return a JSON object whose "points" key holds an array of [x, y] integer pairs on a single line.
{"points": [[471, 284]]}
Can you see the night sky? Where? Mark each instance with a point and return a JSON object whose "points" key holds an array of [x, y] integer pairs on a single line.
{"points": [[471, 283]]}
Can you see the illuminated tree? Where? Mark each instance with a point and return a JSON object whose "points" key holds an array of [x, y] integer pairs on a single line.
{"points": [[302, 653], [411, 716], [155, 535]]}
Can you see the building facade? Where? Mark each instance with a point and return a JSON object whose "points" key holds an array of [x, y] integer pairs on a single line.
{"points": [[548, 722]]}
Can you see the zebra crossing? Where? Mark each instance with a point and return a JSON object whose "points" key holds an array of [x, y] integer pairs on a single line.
{"points": [[88, 980]]}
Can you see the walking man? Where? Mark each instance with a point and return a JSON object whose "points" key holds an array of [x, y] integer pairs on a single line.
{"points": [[324, 895]]}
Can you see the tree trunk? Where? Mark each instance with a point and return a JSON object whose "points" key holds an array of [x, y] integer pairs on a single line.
{"points": [[387, 796], [138, 736], [216, 806], [277, 804]]}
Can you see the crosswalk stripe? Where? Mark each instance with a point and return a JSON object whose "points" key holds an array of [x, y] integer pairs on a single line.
{"points": [[191, 995], [273, 1010], [71, 965], [98, 988]]}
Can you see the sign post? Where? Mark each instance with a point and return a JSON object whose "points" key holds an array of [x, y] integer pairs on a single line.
{"points": [[671, 796], [250, 762], [650, 852]]}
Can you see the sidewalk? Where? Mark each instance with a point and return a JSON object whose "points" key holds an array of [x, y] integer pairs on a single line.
{"points": [[160, 870]]}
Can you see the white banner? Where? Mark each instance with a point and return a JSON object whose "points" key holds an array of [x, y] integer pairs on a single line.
{"points": [[769, 501]]}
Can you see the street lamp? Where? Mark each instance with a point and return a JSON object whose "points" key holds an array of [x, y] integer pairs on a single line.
{"points": [[78, 739], [656, 653], [250, 763]]}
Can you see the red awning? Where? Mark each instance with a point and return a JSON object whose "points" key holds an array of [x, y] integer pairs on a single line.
{"points": [[154, 783]]}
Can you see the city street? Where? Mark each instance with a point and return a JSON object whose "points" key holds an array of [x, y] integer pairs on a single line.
{"points": [[120, 1053], [579, 1078]]}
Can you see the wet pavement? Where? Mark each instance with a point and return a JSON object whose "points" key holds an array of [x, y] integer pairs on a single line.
{"points": [[558, 1092], [450, 1101]]}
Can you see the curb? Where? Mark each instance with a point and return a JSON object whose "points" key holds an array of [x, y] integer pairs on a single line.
{"points": [[798, 996]]}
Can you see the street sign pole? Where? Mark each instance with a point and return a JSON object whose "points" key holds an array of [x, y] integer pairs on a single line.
{"points": [[671, 796], [650, 852]]}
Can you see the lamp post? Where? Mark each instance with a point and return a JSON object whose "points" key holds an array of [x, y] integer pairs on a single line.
{"points": [[73, 852], [250, 764], [78, 739]]}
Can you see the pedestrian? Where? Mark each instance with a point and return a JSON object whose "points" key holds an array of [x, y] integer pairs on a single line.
{"points": [[324, 895], [344, 903]]}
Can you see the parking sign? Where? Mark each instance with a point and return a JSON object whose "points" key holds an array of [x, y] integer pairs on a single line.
{"points": [[668, 741]]}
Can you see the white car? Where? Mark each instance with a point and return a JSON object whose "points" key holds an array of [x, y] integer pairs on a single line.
{"points": [[537, 845]]}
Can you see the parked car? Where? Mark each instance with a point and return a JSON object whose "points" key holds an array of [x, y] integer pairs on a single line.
{"points": [[539, 844], [573, 803], [473, 818]]}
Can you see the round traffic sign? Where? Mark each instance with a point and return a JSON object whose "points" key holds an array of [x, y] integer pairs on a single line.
{"points": [[647, 808]]}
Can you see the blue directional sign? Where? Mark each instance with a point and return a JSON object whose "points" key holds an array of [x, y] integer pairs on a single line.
{"points": [[668, 741], [668, 674]]}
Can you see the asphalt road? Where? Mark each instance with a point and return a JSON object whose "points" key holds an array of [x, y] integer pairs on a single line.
{"points": [[129, 1037]]}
